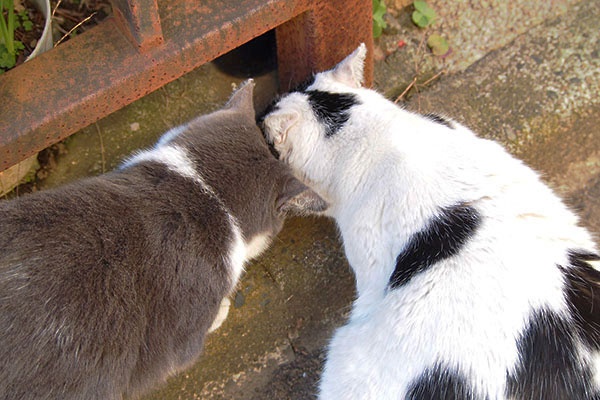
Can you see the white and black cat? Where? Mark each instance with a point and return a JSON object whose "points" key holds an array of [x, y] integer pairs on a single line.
{"points": [[474, 280], [110, 284]]}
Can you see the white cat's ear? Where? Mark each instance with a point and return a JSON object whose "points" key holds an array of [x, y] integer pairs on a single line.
{"points": [[350, 71], [241, 99], [296, 198], [278, 124]]}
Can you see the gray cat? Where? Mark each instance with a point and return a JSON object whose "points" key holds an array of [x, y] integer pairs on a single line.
{"points": [[110, 284]]}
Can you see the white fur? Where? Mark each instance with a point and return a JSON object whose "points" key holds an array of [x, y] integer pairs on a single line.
{"points": [[257, 245], [239, 253], [170, 135], [349, 71], [385, 174], [595, 360], [174, 157], [221, 315]]}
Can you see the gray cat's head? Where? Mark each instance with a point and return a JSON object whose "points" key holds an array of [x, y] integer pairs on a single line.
{"points": [[310, 127], [227, 151]]}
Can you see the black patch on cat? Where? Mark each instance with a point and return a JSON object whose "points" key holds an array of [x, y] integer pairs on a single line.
{"points": [[439, 383], [260, 119], [440, 120], [274, 104], [301, 87], [549, 367], [443, 237], [582, 283], [272, 149], [331, 109]]}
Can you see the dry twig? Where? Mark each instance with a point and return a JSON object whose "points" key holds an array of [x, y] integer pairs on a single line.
{"points": [[406, 90], [55, 7], [417, 60], [428, 81], [75, 27]]}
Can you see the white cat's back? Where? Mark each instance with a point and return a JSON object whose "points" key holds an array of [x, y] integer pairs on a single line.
{"points": [[474, 280], [506, 270]]}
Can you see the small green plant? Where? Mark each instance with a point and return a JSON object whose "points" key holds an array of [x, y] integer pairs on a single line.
{"points": [[379, 9], [25, 21], [438, 45], [423, 16], [9, 47]]}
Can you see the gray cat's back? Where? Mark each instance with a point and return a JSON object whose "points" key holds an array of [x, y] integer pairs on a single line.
{"points": [[89, 279], [109, 285]]}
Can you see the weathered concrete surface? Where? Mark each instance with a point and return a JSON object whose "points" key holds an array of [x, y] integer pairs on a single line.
{"points": [[531, 85], [472, 28], [539, 96]]}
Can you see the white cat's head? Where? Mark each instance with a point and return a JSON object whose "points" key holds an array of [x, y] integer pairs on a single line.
{"points": [[306, 125]]}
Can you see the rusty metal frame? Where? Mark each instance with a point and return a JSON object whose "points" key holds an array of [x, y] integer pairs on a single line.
{"points": [[147, 44]]}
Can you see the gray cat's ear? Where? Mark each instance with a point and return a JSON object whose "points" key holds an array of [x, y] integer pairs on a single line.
{"points": [[241, 99], [296, 198], [278, 123], [350, 71]]}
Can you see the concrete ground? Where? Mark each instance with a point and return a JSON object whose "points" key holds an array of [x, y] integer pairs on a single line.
{"points": [[526, 75]]}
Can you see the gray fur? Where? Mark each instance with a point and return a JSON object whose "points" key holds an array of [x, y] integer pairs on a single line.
{"points": [[109, 284]]}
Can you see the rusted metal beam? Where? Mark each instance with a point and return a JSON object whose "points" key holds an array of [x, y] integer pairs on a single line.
{"points": [[321, 37], [88, 77], [139, 21]]}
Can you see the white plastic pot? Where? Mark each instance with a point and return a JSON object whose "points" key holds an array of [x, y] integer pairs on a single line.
{"points": [[45, 43]]}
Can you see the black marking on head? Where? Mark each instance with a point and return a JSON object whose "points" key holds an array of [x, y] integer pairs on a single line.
{"points": [[260, 120], [301, 87], [443, 237], [439, 383], [439, 119], [549, 367], [582, 289], [331, 109], [274, 104], [272, 148]]}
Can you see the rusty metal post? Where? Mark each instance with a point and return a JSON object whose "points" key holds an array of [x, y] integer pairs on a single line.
{"points": [[140, 22], [319, 38]]}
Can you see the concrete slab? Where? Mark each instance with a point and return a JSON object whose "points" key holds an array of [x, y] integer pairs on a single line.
{"points": [[472, 28], [538, 96], [531, 85]]}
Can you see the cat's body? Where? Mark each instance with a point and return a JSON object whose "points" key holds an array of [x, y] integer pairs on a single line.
{"points": [[474, 280], [110, 284]]}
